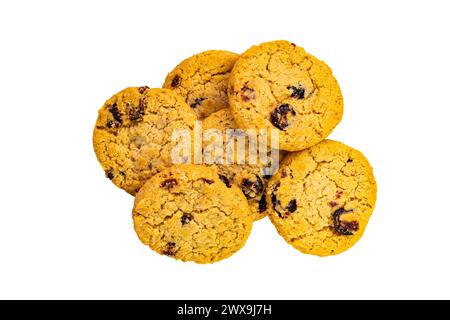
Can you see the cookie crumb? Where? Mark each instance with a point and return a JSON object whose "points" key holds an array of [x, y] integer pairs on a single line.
{"points": [[138, 141]]}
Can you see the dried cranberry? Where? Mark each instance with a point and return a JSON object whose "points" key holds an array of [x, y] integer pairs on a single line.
{"points": [[169, 183], [262, 205], [342, 227], [292, 206], [247, 93], [112, 124], [279, 116], [175, 81], [136, 114], [225, 180], [186, 218], [297, 92], [110, 174], [197, 102], [143, 89], [170, 249], [273, 197], [117, 116], [252, 188], [115, 112], [208, 181], [276, 204]]}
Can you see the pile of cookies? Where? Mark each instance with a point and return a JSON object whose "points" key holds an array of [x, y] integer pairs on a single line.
{"points": [[320, 199]]}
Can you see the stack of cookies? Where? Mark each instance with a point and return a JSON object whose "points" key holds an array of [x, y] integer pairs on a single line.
{"points": [[321, 196]]}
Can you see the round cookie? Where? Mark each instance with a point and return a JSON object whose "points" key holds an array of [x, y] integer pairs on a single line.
{"points": [[278, 86], [321, 199], [202, 80], [132, 135], [247, 177], [186, 212]]}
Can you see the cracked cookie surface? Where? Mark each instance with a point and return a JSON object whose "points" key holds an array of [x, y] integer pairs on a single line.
{"points": [[202, 80], [132, 135], [249, 178], [188, 213], [321, 199], [278, 86]]}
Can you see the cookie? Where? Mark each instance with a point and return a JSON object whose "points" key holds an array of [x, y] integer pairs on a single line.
{"points": [[278, 86], [186, 212], [249, 178], [132, 135], [202, 80], [321, 199]]}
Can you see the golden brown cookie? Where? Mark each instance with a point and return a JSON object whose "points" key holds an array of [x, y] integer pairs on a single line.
{"points": [[278, 86], [246, 176], [132, 135], [321, 199], [202, 80], [186, 212]]}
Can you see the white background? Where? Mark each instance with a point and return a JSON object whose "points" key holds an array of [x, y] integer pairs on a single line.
{"points": [[66, 231]]}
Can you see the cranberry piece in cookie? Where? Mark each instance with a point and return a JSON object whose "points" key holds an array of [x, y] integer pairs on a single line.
{"points": [[281, 117], [169, 183], [342, 227], [297, 92]]}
